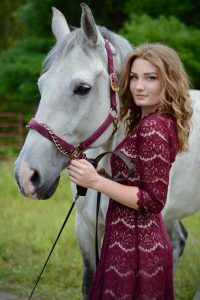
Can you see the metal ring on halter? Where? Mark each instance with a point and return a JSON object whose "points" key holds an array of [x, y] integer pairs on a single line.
{"points": [[114, 82], [76, 152], [113, 113]]}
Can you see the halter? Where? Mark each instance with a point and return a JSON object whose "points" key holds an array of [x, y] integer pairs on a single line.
{"points": [[76, 151]]}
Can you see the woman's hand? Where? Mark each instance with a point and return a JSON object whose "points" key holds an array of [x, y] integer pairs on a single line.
{"points": [[82, 173]]}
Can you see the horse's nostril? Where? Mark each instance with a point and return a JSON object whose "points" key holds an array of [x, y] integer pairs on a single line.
{"points": [[35, 179]]}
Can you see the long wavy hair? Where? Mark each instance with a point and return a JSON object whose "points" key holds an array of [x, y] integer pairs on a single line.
{"points": [[175, 99]]}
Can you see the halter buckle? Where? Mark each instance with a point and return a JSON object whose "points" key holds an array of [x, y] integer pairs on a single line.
{"points": [[114, 82], [76, 152], [113, 113]]}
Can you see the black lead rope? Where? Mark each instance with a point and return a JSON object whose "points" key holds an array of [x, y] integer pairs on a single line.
{"points": [[96, 228], [81, 191]]}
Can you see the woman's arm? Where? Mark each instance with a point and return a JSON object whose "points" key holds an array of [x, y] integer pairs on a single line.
{"points": [[81, 172], [154, 164], [154, 144]]}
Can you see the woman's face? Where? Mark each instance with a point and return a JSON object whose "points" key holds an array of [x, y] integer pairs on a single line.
{"points": [[145, 85]]}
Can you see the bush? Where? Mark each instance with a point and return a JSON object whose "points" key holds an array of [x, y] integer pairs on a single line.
{"points": [[169, 31], [19, 69]]}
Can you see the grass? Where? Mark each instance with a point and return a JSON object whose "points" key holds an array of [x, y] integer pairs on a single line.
{"points": [[28, 229]]}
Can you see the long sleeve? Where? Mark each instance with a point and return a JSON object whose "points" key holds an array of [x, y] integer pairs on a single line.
{"points": [[154, 151]]}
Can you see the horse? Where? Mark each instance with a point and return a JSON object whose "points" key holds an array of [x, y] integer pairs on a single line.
{"points": [[75, 102]]}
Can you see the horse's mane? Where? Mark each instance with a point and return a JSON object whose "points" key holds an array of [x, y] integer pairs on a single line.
{"points": [[121, 44], [76, 36]]}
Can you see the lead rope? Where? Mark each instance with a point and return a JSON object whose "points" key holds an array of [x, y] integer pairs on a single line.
{"points": [[96, 228], [81, 191]]}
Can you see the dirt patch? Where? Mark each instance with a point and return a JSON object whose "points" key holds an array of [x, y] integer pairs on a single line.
{"points": [[8, 296]]}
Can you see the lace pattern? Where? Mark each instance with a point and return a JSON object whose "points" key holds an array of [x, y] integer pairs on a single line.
{"points": [[136, 258]]}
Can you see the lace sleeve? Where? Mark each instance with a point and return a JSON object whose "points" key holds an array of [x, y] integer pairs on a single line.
{"points": [[154, 165]]}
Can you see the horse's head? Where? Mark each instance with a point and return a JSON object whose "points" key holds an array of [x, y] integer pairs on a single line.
{"points": [[75, 100]]}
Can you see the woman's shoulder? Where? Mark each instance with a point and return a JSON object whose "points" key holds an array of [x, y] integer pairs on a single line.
{"points": [[161, 126], [161, 122]]}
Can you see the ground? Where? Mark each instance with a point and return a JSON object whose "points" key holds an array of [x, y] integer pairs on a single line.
{"points": [[8, 296]]}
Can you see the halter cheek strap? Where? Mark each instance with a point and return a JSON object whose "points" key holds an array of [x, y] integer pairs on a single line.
{"points": [[75, 151]]}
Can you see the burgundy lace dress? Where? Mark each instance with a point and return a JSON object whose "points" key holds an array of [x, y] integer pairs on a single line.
{"points": [[136, 257]]}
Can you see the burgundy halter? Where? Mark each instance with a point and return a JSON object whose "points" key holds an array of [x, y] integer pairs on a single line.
{"points": [[77, 150]]}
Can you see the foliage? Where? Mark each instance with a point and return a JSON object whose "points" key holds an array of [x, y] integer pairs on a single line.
{"points": [[19, 70], [8, 31], [108, 12], [188, 11], [20, 64], [28, 229], [170, 31]]}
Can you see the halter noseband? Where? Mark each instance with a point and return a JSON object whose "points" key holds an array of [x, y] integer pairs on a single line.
{"points": [[77, 150]]}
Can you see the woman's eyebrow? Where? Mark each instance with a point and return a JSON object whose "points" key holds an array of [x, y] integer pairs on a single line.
{"points": [[146, 73], [151, 73]]}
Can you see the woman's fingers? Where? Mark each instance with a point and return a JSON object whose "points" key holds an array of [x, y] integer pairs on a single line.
{"points": [[74, 180], [78, 162], [74, 174], [75, 170], [81, 166], [82, 172]]}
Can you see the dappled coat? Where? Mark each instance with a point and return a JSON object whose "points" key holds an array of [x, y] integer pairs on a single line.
{"points": [[136, 258]]}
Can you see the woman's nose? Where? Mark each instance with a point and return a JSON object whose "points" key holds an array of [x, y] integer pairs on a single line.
{"points": [[139, 85]]}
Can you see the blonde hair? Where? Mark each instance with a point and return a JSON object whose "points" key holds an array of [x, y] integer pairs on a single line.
{"points": [[175, 99]]}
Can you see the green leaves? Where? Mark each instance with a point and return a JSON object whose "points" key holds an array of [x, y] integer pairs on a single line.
{"points": [[170, 31], [30, 26], [187, 11]]}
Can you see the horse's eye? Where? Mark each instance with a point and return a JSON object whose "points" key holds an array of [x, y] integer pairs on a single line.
{"points": [[82, 89]]}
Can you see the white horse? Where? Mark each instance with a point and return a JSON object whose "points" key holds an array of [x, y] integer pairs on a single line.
{"points": [[75, 100]]}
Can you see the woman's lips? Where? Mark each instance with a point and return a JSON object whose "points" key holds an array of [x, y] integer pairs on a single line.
{"points": [[140, 96]]}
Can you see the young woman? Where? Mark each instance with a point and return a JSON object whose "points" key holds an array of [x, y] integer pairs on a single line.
{"points": [[136, 257]]}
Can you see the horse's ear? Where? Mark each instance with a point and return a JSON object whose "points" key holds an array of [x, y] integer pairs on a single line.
{"points": [[60, 27], [89, 27]]}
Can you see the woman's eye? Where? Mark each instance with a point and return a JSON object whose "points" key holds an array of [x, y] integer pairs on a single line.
{"points": [[82, 89], [133, 77], [151, 78]]}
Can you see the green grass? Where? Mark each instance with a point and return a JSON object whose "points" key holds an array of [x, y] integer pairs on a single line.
{"points": [[28, 229]]}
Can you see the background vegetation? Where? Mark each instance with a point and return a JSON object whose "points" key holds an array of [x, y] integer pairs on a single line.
{"points": [[25, 28]]}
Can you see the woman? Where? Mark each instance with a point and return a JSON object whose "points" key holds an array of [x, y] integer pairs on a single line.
{"points": [[136, 257]]}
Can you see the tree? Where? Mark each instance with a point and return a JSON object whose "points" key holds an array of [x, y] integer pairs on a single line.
{"points": [[7, 29], [169, 31], [188, 11]]}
